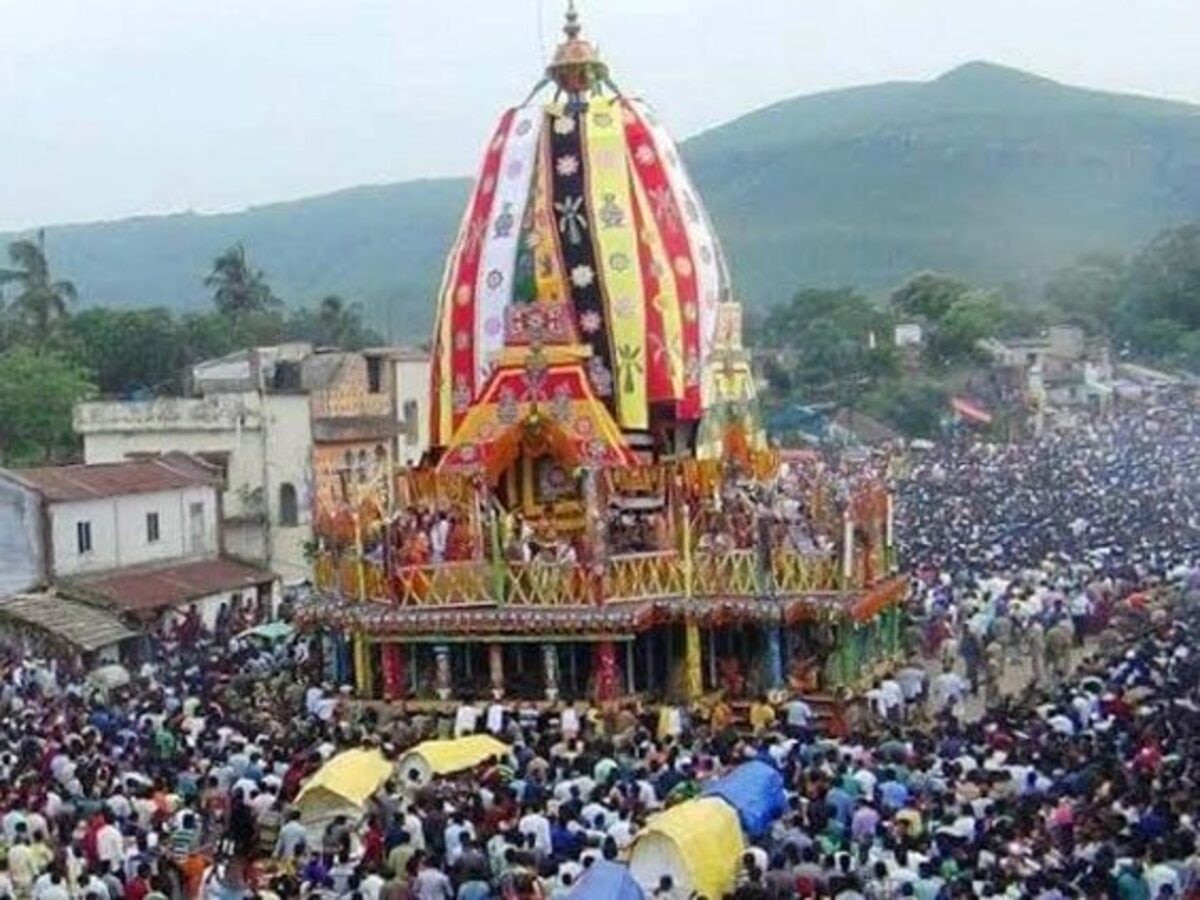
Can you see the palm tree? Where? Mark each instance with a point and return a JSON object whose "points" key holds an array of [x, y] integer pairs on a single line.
{"points": [[237, 288], [41, 303]]}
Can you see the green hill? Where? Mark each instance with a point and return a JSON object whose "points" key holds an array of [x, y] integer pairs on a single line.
{"points": [[990, 173]]}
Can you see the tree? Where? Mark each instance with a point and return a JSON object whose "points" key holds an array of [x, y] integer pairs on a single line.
{"points": [[334, 323], [41, 302], [1087, 293], [955, 337], [834, 342], [238, 289], [927, 296], [38, 391], [130, 351], [1160, 302], [913, 406]]}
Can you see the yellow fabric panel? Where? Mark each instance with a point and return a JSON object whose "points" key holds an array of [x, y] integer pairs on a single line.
{"points": [[708, 838], [447, 757], [353, 775], [547, 266], [667, 301], [610, 204]]}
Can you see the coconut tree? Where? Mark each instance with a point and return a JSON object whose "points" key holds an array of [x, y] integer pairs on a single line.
{"points": [[238, 289], [41, 302]]}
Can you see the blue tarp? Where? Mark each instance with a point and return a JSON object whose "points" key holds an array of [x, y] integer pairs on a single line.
{"points": [[606, 881], [755, 791]]}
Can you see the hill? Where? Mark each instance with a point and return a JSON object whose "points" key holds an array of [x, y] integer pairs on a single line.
{"points": [[987, 172]]}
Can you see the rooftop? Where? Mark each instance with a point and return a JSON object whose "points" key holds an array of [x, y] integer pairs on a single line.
{"points": [[78, 624], [143, 590], [170, 472], [399, 353]]}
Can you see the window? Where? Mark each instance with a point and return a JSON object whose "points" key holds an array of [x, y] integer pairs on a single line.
{"points": [[83, 537], [152, 528], [197, 538], [411, 425], [289, 508], [374, 375]]}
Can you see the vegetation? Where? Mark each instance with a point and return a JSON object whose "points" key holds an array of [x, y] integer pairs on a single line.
{"points": [[836, 346], [51, 358], [41, 304], [38, 390]]}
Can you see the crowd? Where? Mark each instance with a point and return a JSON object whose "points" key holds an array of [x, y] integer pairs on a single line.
{"points": [[1079, 780]]}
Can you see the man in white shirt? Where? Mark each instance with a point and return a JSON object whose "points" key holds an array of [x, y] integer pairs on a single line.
{"points": [[466, 718], [110, 845], [948, 690], [799, 717], [536, 824], [439, 537], [455, 833]]}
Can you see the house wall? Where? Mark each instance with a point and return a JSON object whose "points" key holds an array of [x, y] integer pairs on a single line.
{"points": [[363, 457], [289, 461], [259, 462], [350, 394], [119, 531], [412, 381], [22, 562]]}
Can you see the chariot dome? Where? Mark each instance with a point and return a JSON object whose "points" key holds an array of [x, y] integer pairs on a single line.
{"points": [[586, 308]]}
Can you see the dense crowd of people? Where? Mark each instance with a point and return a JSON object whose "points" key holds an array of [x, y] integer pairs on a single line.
{"points": [[984, 770]]}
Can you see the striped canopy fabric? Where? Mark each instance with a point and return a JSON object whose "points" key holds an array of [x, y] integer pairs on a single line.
{"points": [[586, 204]]}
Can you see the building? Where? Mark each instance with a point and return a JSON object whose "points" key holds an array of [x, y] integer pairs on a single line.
{"points": [[1058, 376], [250, 418], [141, 538], [286, 425], [409, 370]]}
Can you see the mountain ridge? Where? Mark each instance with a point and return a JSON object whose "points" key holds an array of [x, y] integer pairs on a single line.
{"points": [[990, 172]]}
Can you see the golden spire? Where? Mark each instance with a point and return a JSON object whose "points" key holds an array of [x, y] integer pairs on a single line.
{"points": [[576, 67]]}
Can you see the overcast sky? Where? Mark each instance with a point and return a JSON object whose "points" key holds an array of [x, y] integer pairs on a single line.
{"points": [[112, 108]]}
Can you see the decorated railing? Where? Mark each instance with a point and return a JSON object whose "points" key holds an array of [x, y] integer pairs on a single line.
{"points": [[447, 584], [645, 576], [545, 584], [802, 573], [629, 577], [731, 574]]}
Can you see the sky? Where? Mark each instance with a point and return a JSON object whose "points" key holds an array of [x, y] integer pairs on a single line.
{"points": [[113, 108]]}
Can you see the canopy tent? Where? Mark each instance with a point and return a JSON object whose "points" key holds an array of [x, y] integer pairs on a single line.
{"points": [[968, 411], [536, 403], [755, 791], [605, 880], [342, 786], [431, 758], [698, 843], [270, 632]]}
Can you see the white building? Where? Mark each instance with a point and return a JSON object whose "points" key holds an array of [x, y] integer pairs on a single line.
{"points": [[254, 414], [142, 538], [411, 386], [252, 422]]}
